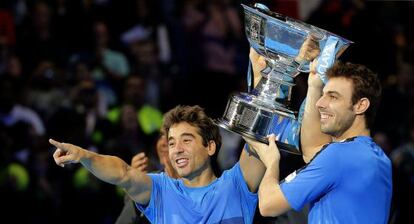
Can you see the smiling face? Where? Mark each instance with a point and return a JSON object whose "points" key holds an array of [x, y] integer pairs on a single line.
{"points": [[188, 155], [335, 107]]}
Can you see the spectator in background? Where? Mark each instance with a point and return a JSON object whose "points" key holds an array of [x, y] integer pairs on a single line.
{"points": [[146, 63], [149, 118], [86, 100], [129, 139], [130, 214], [394, 113], [11, 112], [221, 35], [37, 39], [106, 67], [110, 65], [403, 161], [45, 91]]}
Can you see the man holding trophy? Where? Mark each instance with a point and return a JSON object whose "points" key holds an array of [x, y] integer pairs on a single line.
{"points": [[341, 182], [348, 176]]}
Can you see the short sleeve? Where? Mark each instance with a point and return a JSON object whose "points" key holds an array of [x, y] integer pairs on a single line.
{"points": [[155, 199], [239, 181], [314, 180]]}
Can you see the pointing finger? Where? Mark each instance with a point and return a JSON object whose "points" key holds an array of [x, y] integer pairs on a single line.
{"points": [[58, 145]]}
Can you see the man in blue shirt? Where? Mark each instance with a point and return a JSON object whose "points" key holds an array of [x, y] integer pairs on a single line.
{"points": [[348, 176], [199, 196]]}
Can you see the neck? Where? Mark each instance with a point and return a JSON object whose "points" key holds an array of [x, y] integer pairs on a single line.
{"points": [[358, 128], [204, 178]]}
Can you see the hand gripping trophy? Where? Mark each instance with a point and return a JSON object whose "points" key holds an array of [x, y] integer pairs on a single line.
{"points": [[288, 46]]}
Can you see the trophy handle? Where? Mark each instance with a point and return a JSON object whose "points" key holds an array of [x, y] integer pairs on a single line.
{"points": [[249, 77], [327, 58], [304, 67]]}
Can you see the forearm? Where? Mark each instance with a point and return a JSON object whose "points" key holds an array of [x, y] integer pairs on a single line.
{"points": [[271, 199], [110, 169], [311, 136], [252, 168]]}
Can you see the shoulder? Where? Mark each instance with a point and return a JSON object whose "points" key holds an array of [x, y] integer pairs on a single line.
{"points": [[233, 175], [162, 178], [234, 171], [335, 148], [332, 153]]}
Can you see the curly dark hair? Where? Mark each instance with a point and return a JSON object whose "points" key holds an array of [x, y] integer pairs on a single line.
{"points": [[365, 84]]}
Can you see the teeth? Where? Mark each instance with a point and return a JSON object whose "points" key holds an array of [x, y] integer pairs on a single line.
{"points": [[179, 161], [325, 116]]}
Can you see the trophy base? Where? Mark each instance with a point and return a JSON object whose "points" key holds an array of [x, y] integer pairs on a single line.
{"points": [[245, 117]]}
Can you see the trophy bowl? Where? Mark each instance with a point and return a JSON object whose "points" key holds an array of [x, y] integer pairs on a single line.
{"points": [[265, 110]]}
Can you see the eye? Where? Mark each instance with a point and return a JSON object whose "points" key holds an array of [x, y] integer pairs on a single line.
{"points": [[170, 144], [333, 97], [186, 141]]}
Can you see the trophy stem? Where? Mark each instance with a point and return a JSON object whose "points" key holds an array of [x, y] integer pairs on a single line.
{"points": [[274, 90]]}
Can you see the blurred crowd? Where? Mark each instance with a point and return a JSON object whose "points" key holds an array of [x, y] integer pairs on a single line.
{"points": [[101, 73]]}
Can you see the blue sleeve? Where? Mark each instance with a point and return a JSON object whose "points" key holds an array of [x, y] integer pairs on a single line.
{"points": [[314, 180], [247, 199], [155, 198], [237, 176]]}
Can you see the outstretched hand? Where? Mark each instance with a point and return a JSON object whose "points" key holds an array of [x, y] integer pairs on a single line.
{"points": [[268, 154], [66, 153]]}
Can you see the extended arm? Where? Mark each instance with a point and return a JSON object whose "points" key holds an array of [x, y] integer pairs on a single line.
{"points": [[110, 169]]}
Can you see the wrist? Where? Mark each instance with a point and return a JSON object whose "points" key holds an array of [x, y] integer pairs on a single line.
{"points": [[315, 86], [272, 164], [250, 151], [84, 155]]}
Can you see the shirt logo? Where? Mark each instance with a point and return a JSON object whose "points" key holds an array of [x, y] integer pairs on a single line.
{"points": [[290, 177]]}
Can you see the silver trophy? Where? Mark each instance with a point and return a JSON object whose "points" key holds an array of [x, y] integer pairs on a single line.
{"points": [[265, 109]]}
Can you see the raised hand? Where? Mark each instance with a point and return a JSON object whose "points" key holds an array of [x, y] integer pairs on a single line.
{"points": [[314, 80], [309, 49], [67, 153], [140, 162], [268, 154]]}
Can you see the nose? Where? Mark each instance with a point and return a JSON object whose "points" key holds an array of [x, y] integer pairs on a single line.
{"points": [[321, 103], [178, 148]]}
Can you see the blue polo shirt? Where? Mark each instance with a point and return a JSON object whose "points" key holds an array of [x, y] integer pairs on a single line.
{"points": [[225, 200], [347, 182]]}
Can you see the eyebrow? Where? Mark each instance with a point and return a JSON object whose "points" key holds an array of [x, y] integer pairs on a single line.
{"points": [[185, 134], [333, 92]]}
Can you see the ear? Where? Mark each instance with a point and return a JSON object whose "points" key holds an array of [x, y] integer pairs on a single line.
{"points": [[211, 148], [361, 106]]}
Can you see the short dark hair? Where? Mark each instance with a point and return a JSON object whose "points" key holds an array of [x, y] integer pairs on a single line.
{"points": [[195, 116], [365, 84]]}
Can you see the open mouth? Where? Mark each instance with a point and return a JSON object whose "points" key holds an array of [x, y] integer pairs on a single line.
{"points": [[325, 116], [181, 162]]}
